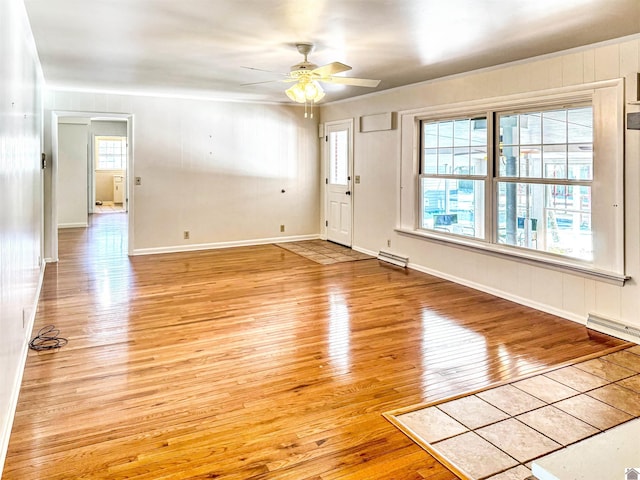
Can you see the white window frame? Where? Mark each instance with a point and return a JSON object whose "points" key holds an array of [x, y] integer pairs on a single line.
{"points": [[607, 100], [541, 180], [110, 138], [456, 176]]}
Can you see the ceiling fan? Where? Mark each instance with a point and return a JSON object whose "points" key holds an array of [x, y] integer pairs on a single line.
{"points": [[307, 76]]}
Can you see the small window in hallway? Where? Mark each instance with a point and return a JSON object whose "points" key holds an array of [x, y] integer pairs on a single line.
{"points": [[111, 153]]}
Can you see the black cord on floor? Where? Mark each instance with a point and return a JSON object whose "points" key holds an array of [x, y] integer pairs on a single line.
{"points": [[47, 339]]}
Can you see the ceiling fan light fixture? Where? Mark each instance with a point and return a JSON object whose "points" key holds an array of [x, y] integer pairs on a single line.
{"points": [[313, 91], [296, 93], [305, 90], [306, 76]]}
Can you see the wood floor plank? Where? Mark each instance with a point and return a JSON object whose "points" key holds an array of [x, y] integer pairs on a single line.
{"points": [[256, 363]]}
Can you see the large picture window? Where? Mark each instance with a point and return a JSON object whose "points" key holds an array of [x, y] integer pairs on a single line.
{"points": [[540, 179], [535, 177]]}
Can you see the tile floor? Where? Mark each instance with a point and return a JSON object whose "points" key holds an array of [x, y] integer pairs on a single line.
{"points": [[324, 252], [496, 434], [108, 207]]}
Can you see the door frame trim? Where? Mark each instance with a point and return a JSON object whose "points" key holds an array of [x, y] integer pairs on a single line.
{"points": [[52, 239]]}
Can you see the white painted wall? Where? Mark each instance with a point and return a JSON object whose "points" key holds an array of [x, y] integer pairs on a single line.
{"points": [[377, 161], [73, 137], [216, 169], [109, 128], [20, 202]]}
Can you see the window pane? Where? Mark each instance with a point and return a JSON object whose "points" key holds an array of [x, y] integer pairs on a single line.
{"points": [[509, 161], [445, 161], [580, 162], [450, 143], [430, 160], [453, 206], [461, 130], [509, 130], [338, 158], [478, 161], [430, 135], [530, 162], [550, 218], [530, 129], [461, 161], [555, 161], [554, 126], [580, 125], [111, 153], [479, 131], [445, 134], [548, 132]]}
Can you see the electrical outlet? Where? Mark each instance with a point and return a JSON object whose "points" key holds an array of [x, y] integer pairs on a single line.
{"points": [[185, 234], [138, 180], [282, 228]]}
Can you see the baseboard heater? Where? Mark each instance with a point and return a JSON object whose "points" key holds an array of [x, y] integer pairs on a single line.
{"points": [[613, 328], [394, 259]]}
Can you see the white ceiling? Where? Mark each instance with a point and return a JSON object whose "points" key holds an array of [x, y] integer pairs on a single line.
{"points": [[198, 47]]}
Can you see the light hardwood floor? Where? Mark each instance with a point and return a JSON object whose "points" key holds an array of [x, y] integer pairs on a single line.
{"points": [[108, 207], [255, 363]]}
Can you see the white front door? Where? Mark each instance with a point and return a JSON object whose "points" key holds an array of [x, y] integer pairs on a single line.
{"points": [[338, 153]]}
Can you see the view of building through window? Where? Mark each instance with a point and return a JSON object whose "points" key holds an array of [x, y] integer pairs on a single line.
{"points": [[545, 171], [454, 169], [540, 180]]}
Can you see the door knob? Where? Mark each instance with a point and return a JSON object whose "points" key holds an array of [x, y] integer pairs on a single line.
{"points": [[347, 192]]}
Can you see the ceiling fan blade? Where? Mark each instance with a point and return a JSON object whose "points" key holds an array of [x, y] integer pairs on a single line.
{"points": [[259, 83], [354, 82], [266, 71], [330, 69], [283, 80]]}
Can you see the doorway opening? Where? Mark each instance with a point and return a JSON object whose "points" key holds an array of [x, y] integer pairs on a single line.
{"points": [[92, 155], [109, 170]]}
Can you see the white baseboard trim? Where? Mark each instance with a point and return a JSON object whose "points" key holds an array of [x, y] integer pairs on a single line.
{"points": [[492, 291], [364, 250], [502, 294], [297, 238], [73, 225], [213, 246], [15, 391], [612, 327]]}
